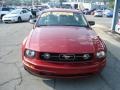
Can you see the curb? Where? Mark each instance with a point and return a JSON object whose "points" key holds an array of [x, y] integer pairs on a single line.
{"points": [[0, 21], [111, 39], [108, 31], [102, 26]]}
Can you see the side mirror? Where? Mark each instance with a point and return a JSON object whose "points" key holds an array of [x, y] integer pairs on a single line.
{"points": [[32, 21], [91, 23]]}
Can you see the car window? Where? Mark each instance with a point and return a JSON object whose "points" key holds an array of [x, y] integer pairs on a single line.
{"points": [[5, 9], [67, 6], [27, 11], [15, 11], [24, 11], [61, 19], [11, 9]]}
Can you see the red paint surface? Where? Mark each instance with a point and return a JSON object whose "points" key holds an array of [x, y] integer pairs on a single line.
{"points": [[63, 39]]}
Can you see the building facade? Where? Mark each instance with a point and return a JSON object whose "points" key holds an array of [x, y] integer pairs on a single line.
{"points": [[1, 2], [84, 1]]}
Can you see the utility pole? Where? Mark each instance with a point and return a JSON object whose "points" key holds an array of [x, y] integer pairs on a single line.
{"points": [[3, 2], [37, 2], [32, 3], [115, 14], [60, 2]]}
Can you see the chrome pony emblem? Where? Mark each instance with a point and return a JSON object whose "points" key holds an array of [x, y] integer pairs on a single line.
{"points": [[67, 57]]}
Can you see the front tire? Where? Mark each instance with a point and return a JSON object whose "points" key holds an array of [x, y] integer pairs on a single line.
{"points": [[19, 19], [2, 16], [30, 17], [6, 22]]}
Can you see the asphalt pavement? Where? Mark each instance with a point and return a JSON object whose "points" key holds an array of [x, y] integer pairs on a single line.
{"points": [[14, 77], [0, 21]]}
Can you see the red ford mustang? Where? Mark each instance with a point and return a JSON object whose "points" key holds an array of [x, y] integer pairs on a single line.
{"points": [[63, 45]]}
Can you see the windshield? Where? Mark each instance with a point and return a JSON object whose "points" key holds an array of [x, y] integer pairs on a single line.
{"points": [[15, 11], [61, 19]]}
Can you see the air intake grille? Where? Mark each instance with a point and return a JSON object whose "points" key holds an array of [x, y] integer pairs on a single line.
{"points": [[63, 57]]}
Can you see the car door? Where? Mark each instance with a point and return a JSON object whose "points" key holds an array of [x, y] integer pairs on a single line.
{"points": [[24, 15], [28, 14]]}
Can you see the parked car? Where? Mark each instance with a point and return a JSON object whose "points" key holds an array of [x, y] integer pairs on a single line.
{"points": [[98, 13], [119, 14], [117, 27], [4, 11], [35, 12], [85, 11], [108, 13], [17, 15], [66, 6], [88, 12], [91, 12], [43, 7], [62, 44]]}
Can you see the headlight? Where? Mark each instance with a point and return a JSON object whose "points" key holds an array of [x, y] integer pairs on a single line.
{"points": [[100, 54], [29, 53], [14, 16]]}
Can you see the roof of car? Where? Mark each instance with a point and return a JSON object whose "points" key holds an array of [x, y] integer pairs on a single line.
{"points": [[62, 10]]}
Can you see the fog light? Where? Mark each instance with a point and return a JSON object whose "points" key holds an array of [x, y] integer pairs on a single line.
{"points": [[46, 56], [86, 56]]}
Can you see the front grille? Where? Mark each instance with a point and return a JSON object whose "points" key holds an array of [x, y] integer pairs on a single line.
{"points": [[64, 57], [7, 20]]}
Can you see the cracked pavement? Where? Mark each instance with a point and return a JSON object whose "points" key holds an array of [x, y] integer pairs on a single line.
{"points": [[14, 77]]}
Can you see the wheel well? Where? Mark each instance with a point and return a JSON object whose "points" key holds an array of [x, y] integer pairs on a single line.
{"points": [[2, 15], [19, 17]]}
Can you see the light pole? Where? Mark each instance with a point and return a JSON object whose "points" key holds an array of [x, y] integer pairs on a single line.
{"points": [[33, 2], [115, 14], [3, 2], [60, 2]]}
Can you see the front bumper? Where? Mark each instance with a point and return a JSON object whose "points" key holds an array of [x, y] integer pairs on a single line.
{"points": [[15, 19], [53, 70]]}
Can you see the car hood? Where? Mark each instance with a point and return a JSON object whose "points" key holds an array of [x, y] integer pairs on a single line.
{"points": [[61, 39], [11, 15]]}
